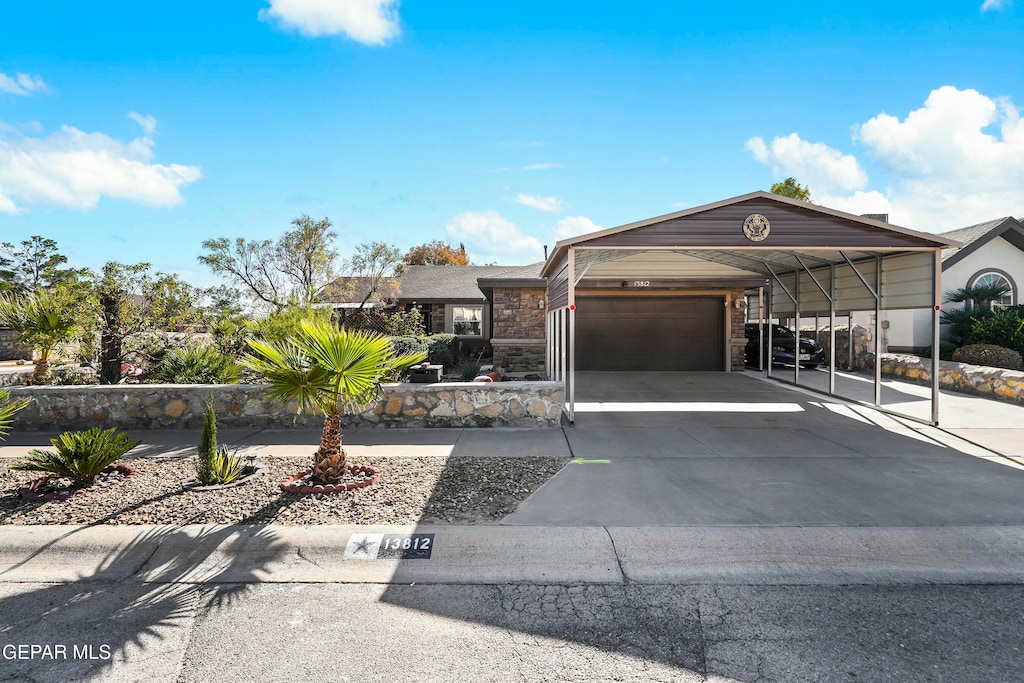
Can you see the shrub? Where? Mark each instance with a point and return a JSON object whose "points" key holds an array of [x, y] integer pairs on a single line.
{"points": [[196, 364], [468, 370], [1004, 327], [407, 346], [7, 410], [441, 348], [207, 444], [229, 336], [80, 455], [404, 324], [988, 355]]}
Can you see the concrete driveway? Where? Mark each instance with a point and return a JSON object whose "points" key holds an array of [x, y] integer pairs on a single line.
{"points": [[680, 449]]}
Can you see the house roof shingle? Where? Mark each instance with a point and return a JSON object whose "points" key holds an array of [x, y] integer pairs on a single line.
{"points": [[974, 236], [426, 284]]}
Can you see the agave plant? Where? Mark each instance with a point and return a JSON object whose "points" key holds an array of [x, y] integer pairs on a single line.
{"points": [[7, 410], [43, 321], [225, 467], [330, 370], [80, 455]]}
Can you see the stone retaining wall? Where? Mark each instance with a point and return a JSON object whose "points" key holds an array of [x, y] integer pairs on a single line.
{"points": [[11, 347], [174, 406], [997, 383]]}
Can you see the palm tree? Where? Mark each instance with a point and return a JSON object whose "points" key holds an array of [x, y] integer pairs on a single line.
{"points": [[331, 370], [43, 321], [976, 302], [8, 408]]}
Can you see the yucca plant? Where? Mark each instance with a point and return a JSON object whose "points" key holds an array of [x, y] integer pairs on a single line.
{"points": [[43, 321], [330, 370], [7, 410], [196, 364], [80, 455]]}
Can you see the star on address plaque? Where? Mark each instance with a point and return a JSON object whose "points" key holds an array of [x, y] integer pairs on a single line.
{"points": [[756, 227]]}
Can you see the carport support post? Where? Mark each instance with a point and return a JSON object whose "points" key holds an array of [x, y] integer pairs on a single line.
{"points": [[796, 325], [760, 329], [771, 325], [832, 329], [936, 308], [570, 313], [878, 330]]}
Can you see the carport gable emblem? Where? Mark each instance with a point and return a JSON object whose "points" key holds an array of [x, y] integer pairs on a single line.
{"points": [[756, 227]]}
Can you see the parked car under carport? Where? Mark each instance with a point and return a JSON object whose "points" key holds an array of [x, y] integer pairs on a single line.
{"points": [[812, 354]]}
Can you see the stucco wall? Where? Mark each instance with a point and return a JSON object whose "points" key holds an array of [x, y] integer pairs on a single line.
{"points": [[913, 328], [155, 406]]}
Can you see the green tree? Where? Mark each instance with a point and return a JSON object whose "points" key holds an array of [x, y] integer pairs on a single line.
{"points": [[32, 264], [43, 321], [274, 274], [791, 188], [129, 303], [371, 275], [436, 253], [330, 370]]}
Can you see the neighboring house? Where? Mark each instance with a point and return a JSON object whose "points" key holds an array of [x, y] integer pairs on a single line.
{"points": [[992, 253], [499, 305]]}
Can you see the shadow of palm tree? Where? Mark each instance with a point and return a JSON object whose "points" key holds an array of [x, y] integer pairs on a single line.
{"points": [[135, 608]]}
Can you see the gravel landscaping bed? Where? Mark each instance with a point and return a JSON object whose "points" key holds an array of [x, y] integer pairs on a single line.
{"points": [[459, 490]]}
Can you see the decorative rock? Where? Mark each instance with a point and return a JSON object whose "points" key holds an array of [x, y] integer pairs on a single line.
{"points": [[394, 406], [175, 408]]}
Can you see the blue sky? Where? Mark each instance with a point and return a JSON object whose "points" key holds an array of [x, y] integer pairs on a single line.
{"points": [[133, 131]]}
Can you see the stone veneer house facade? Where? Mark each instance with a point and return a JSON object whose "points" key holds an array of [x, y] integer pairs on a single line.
{"points": [[502, 306]]}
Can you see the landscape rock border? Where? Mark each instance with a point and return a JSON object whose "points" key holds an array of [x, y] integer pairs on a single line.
{"points": [[291, 484]]}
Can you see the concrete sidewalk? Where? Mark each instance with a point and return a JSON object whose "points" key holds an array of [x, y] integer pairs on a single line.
{"points": [[413, 442], [490, 555]]}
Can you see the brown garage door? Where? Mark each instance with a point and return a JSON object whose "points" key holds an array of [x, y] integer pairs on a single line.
{"points": [[650, 333]]}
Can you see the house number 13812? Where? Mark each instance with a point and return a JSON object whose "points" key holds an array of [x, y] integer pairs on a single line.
{"points": [[641, 283]]}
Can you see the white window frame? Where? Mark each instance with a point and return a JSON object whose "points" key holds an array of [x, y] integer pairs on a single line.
{"points": [[1011, 294], [458, 316]]}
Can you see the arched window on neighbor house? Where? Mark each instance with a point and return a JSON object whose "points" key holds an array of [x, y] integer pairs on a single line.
{"points": [[986, 278]]}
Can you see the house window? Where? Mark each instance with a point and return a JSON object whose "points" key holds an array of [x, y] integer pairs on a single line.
{"points": [[468, 320], [991, 278]]}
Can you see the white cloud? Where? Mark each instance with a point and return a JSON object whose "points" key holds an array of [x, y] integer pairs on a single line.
{"points": [[814, 164], [955, 161], [540, 167], [572, 226], [549, 204], [995, 5], [74, 169], [491, 238], [21, 84], [148, 123], [371, 22]]}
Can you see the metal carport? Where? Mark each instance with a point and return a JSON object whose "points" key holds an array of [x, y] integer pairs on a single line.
{"points": [[810, 260]]}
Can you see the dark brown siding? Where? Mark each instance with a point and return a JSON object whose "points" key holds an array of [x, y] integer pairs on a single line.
{"points": [[650, 333], [791, 226]]}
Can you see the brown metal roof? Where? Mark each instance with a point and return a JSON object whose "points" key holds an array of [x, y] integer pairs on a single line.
{"points": [[716, 229]]}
